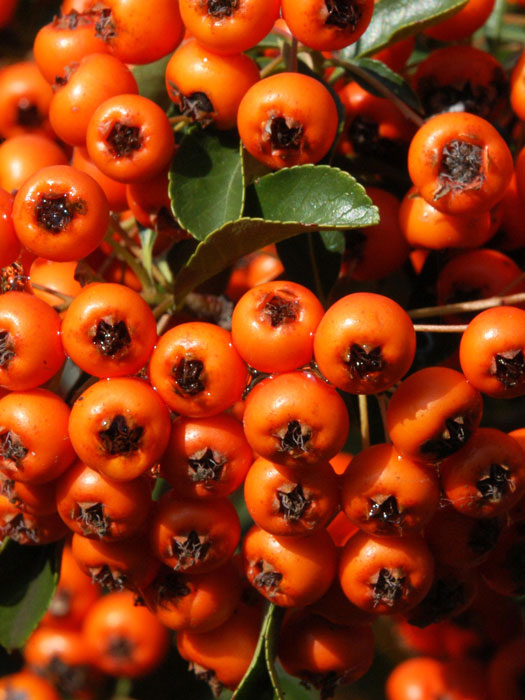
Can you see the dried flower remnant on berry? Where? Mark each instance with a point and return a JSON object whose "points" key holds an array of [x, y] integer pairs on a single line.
{"points": [[124, 139], [189, 550], [461, 168], [293, 503], [120, 438], [206, 465], [388, 586], [187, 375], [111, 337]]}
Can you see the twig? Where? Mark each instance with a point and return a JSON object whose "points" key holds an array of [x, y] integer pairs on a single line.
{"points": [[124, 254], [292, 57], [178, 119], [364, 423], [271, 66], [67, 298], [478, 305], [439, 328], [407, 111], [164, 305]]}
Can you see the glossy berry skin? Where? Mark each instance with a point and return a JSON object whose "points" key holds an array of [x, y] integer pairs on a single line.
{"points": [[323, 653], [109, 330], [123, 638], [425, 226], [460, 163], [64, 41], [285, 503], [492, 349], [386, 575], [96, 78], [129, 138], [386, 494], [114, 191], [295, 419], [138, 32], [60, 213], [433, 413], [206, 457], [335, 607], [517, 88], [58, 276], [374, 126], [31, 350], [95, 506], [273, 326], [27, 528], [9, 243], [115, 564], [35, 499], [487, 477], [25, 96], [188, 366], [35, 445], [327, 27], [464, 23], [289, 571], [194, 536], [120, 427], [22, 156], [225, 652], [287, 119], [364, 343], [196, 602], [422, 678], [208, 87], [229, 29]]}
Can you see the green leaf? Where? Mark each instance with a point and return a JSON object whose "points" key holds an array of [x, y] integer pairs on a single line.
{"points": [[492, 27], [294, 690], [307, 261], [225, 246], [511, 32], [394, 20], [147, 241], [303, 199], [334, 241], [28, 580], [252, 169], [206, 187], [260, 680], [312, 195], [161, 487], [151, 79], [372, 71]]}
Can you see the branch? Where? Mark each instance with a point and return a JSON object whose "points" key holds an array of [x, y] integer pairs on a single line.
{"points": [[465, 306]]}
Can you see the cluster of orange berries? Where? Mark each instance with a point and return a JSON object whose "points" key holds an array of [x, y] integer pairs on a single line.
{"points": [[177, 553], [139, 466]]}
